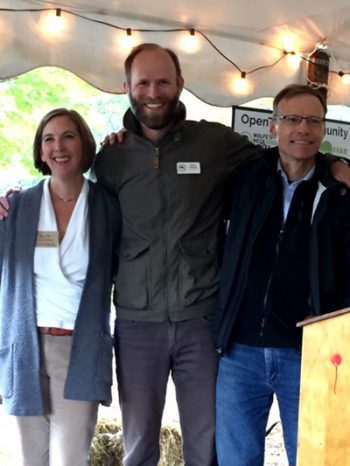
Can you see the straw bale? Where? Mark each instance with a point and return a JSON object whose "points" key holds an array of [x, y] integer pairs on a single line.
{"points": [[107, 445]]}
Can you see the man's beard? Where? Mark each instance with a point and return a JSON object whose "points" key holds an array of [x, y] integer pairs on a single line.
{"points": [[155, 121]]}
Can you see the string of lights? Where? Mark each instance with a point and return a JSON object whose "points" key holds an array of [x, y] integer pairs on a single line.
{"points": [[191, 43]]}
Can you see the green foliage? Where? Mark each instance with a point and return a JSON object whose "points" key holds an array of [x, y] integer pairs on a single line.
{"points": [[25, 99]]}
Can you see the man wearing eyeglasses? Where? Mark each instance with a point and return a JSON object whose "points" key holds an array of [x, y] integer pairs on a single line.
{"points": [[286, 258]]}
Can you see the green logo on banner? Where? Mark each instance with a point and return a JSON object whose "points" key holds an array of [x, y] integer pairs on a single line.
{"points": [[326, 146]]}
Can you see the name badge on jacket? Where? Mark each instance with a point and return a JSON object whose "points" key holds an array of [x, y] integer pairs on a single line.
{"points": [[188, 168], [47, 239]]}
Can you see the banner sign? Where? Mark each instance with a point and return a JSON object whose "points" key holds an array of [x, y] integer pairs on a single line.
{"points": [[254, 125]]}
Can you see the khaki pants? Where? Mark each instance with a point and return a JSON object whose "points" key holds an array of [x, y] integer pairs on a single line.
{"points": [[62, 436]]}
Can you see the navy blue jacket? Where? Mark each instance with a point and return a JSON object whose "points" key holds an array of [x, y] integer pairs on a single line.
{"points": [[252, 193]]}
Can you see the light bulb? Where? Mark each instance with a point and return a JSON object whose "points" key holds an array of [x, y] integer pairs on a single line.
{"points": [[52, 23], [189, 42], [288, 42], [293, 60], [241, 85], [127, 40], [345, 78]]}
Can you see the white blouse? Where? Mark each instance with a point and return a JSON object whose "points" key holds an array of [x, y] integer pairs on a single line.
{"points": [[60, 269]]}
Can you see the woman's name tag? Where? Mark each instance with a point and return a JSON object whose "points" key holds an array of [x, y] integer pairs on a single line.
{"points": [[47, 239]]}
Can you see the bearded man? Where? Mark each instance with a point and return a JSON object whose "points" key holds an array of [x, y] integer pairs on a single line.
{"points": [[169, 175]]}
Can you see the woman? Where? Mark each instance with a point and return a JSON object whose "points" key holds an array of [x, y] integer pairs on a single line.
{"points": [[57, 260]]}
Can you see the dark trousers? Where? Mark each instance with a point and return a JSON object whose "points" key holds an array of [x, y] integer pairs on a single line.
{"points": [[147, 352]]}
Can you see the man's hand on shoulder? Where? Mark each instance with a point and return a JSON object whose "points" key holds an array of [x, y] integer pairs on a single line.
{"points": [[4, 207], [341, 172], [114, 138], [4, 203]]}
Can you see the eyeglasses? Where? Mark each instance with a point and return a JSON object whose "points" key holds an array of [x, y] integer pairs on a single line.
{"points": [[295, 120]]}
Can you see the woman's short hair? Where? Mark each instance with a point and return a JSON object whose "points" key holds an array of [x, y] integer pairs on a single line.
{"points": [[88, 141]]}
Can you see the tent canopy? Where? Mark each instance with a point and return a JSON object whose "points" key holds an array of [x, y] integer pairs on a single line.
{"points": [[233, 36]]}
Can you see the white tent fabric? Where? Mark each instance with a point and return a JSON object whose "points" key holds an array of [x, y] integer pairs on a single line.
{"points": [[247, 32]]}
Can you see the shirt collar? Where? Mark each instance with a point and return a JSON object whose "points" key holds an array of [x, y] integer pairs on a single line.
{"points": [[285, 179]]}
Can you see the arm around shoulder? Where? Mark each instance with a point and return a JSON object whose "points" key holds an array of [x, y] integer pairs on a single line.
{"points": [[339, 167], [241, 151]]}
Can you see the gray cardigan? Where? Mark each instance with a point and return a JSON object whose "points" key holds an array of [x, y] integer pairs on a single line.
{"points": [[90, 366]]}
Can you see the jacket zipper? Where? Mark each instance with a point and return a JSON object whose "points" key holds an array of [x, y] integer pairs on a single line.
{"points": [[269, 281], [156, 158], [156, 165]]}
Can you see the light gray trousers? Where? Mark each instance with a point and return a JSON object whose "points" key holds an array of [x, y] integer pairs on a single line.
{"points": [[62, 436]]}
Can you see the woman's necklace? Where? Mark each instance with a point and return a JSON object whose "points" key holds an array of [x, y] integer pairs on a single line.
{"points": [[66, 200], [71, 199]]}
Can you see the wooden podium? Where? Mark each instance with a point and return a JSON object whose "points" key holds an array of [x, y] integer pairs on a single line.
{"points": [[324, 410]]}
